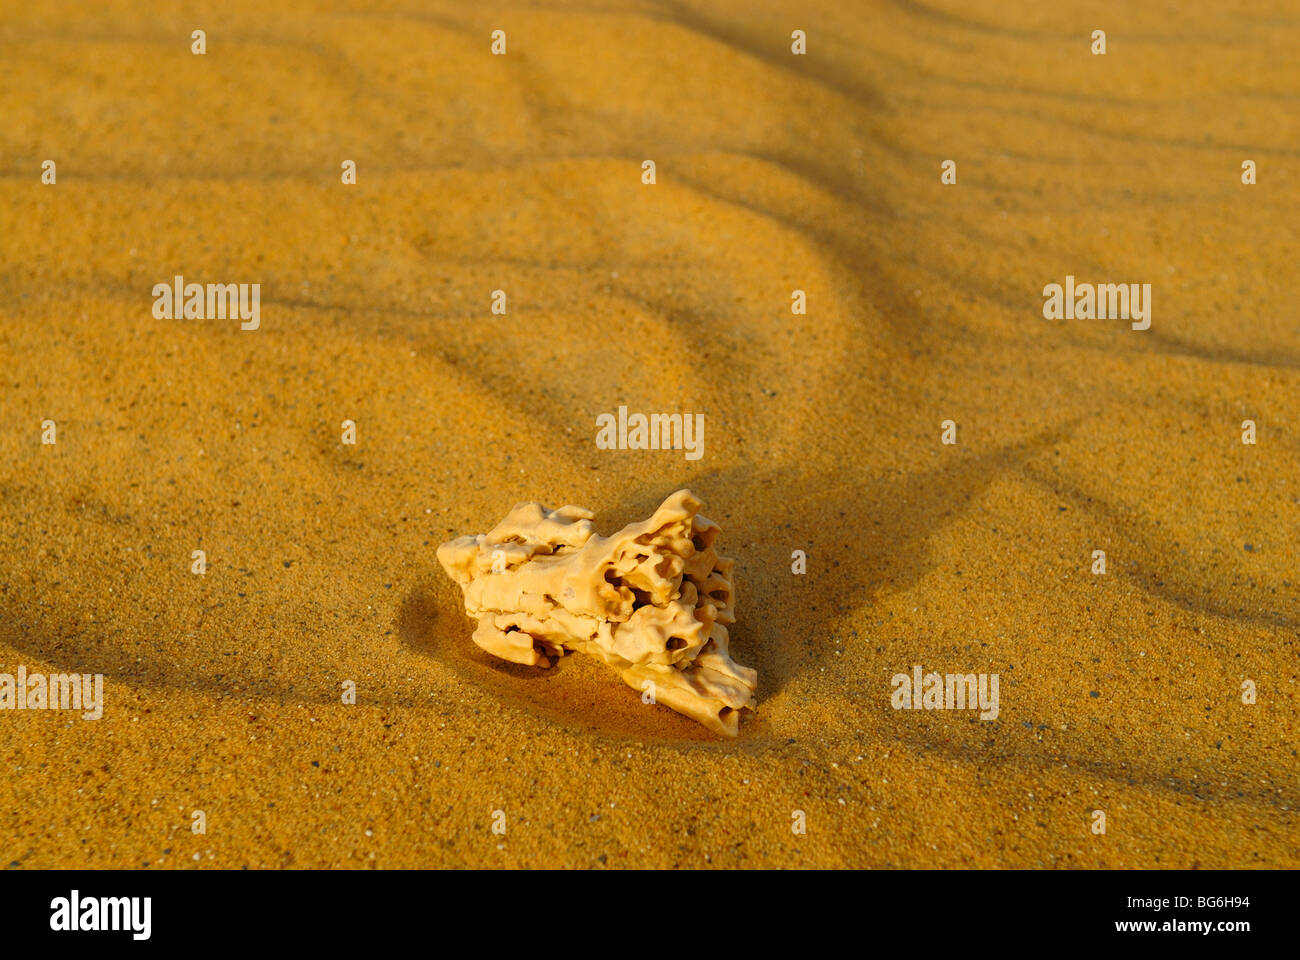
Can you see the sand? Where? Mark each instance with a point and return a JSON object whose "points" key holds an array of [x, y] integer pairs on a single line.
{"points": [[774, 172]]}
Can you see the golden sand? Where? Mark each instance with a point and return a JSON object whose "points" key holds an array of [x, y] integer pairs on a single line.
{"points": [[1119, 692]]}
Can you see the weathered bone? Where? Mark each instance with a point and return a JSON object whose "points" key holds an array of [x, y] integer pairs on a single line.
{"points": [[651, 601]]}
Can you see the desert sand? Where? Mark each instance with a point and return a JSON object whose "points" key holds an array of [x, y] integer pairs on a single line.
{"points": [[774, 172]]}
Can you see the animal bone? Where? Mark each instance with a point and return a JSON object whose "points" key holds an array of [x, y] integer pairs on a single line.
{"points": [[651, 601]]}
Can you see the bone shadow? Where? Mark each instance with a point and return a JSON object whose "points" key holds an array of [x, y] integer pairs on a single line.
{"points": [[879, 527]]}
